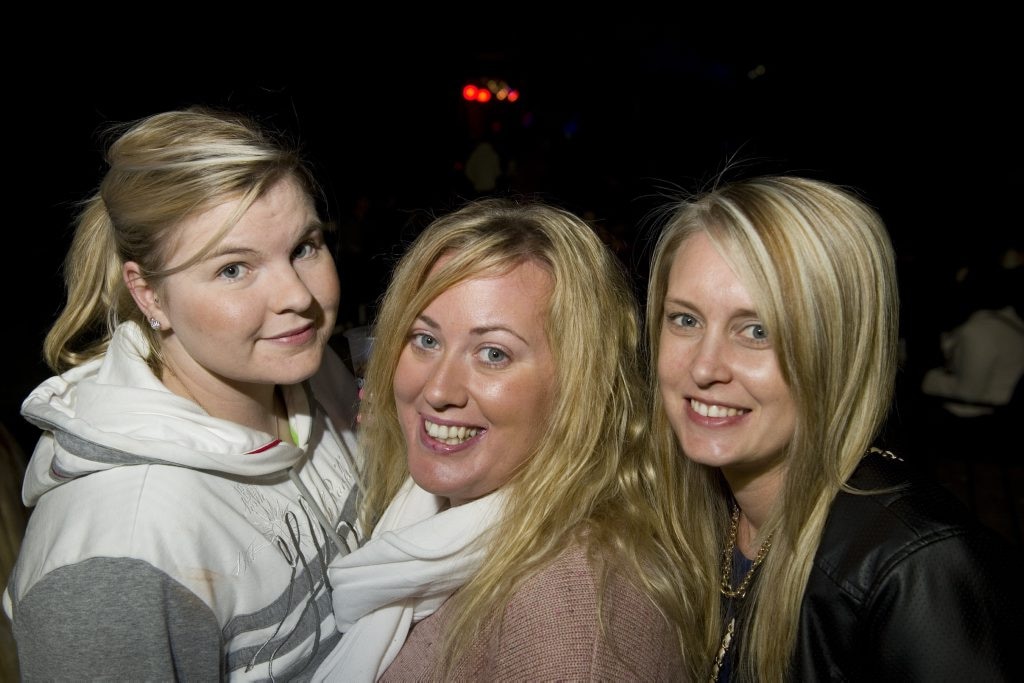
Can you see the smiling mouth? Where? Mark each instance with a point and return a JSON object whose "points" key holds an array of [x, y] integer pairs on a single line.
{"points": [[450, 435], [705, 410], [294, 335]]}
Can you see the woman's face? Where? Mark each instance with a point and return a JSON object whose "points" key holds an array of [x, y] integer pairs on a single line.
{"points": [[720, 380], [475, 382], [258, 309]]}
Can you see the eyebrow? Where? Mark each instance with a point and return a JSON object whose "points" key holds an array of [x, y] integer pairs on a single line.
{"points": [[229, 250], [478, 331], [741, 313]]}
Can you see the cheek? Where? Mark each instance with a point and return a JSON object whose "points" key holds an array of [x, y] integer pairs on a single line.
{"points": [[408, 380], [766, 379], [787, 408], [671, 360], [321, 279], [527, 403], [664, 367], [209, 315]]}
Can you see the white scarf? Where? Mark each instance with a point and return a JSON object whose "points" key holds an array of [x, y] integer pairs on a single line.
{"points": [[416, 558]]}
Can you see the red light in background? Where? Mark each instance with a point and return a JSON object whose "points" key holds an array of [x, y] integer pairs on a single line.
{"points": [[485, 91]]}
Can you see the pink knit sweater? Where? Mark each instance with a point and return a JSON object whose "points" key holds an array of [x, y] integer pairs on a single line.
{"points": [[549, 631]]}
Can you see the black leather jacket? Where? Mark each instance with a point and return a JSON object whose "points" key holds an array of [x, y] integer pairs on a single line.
{"points": [[907, 586]]}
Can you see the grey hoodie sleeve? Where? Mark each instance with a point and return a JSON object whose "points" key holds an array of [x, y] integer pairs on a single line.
{"points": [[117, 619]]}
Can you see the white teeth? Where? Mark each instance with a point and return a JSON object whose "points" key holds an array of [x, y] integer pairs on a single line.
{"points": [[713, 410], [450, 435]]}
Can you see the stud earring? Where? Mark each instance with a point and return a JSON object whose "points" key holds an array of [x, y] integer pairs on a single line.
{"points": [[154, 323]]}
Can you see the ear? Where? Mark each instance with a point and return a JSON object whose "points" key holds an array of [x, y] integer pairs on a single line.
{"points": [[145, 296]]}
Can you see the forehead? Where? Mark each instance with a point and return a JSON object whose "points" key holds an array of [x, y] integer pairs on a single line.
{"points": [[695, 257], [519, 294], [282, 209], [535, 267], [699, 269]]}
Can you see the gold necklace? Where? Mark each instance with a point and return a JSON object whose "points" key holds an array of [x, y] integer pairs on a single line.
{"points": [[740, 591], [716, 668], [726, 587]]}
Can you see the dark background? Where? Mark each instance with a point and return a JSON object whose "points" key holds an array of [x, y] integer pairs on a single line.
{"points": [[921, 116]]}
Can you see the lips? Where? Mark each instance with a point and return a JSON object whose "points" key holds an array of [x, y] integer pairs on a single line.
{"points": [[299, 335]]}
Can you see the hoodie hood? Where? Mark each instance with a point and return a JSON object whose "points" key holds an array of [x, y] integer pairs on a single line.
{"points": [[114, 412]]}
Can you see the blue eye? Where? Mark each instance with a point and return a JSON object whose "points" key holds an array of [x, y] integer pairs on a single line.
{"points": [[756, 332], [424, 341], [682, 319], [304, 250], [493, 355], [234, 271]]}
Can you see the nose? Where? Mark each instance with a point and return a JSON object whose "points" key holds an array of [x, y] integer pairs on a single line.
{"points": [[710, 364], [289, 291], [445, 386]]}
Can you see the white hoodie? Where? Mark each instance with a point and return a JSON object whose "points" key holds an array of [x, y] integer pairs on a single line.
{"points": [[166, 543]]}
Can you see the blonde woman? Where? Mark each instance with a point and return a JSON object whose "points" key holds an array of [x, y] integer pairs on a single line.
{"points": [[508, 491], [189, 487], [772, 315]]}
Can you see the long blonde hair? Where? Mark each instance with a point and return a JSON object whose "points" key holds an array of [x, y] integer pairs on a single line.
{"points": [[590, 470], [820, 266], [162, 169]]}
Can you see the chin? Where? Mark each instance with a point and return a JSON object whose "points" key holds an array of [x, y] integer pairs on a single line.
{"points": [[708, 455], [430, 478], [430, 486], [300, 372]]}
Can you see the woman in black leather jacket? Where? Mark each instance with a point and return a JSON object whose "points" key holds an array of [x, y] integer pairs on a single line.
{"points": [[811, 555]]}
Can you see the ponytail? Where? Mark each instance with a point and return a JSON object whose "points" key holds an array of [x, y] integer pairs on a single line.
{"points": [[92, 278]]}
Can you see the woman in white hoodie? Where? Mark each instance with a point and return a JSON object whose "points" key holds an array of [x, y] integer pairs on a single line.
{"points": [[196, 470]]}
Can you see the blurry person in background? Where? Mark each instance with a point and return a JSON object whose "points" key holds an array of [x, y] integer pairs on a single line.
{"points": [[977, 393]]}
